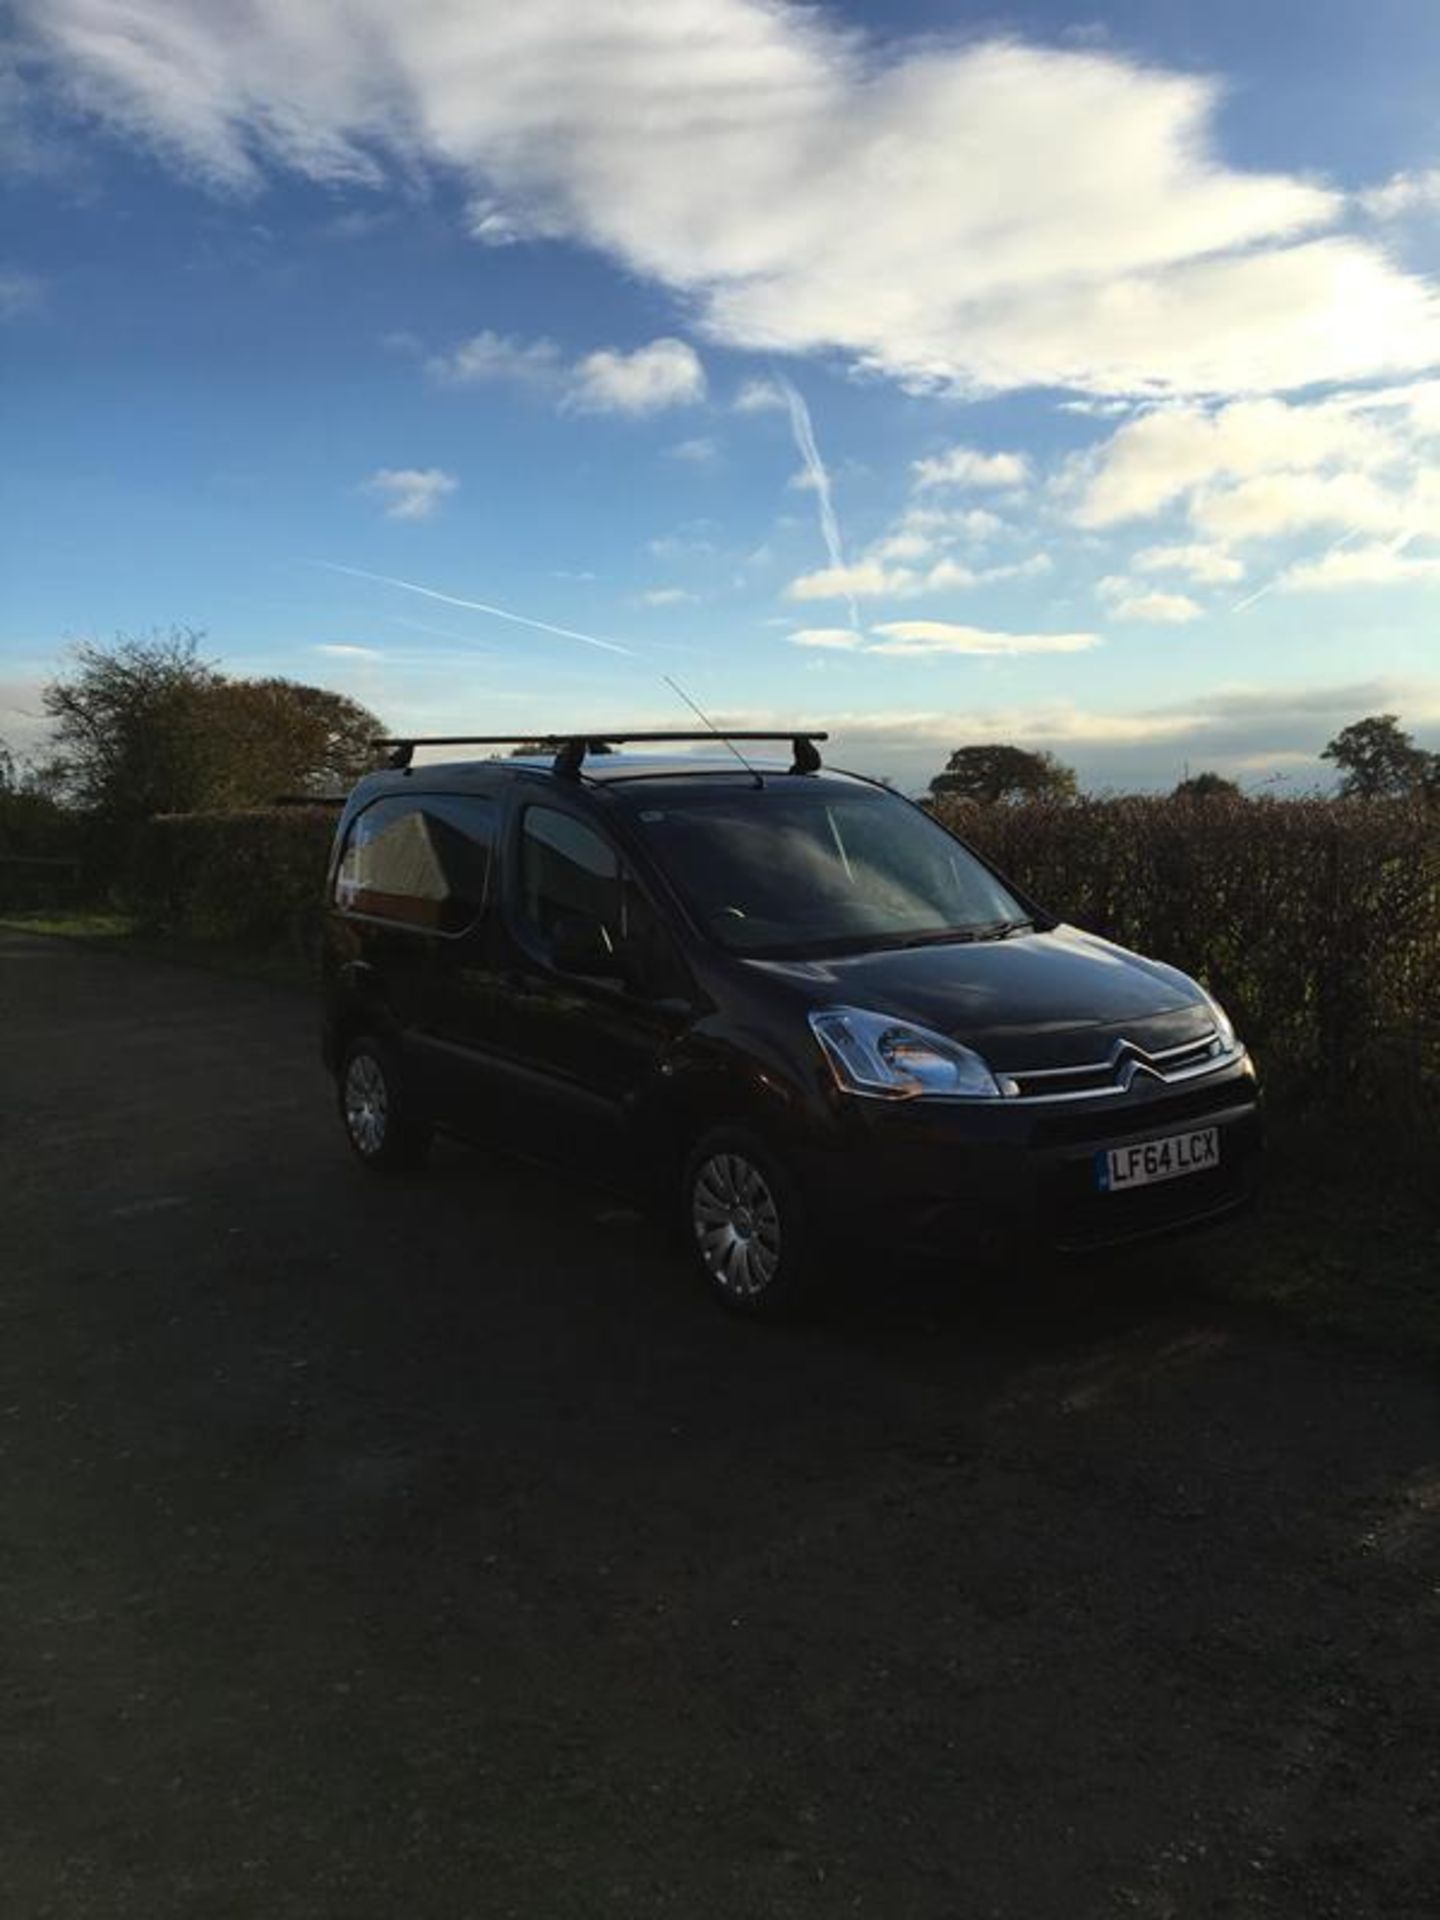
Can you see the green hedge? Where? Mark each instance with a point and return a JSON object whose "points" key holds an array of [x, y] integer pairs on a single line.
{"points": [[52, 856], [1316, 922], [253, 879]]}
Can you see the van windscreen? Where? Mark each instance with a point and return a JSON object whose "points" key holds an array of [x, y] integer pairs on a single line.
{"points": [[795, 872]]}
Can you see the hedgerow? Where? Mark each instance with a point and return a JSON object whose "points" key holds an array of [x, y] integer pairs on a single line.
{"points": [[1315, 922], [251, 879]]}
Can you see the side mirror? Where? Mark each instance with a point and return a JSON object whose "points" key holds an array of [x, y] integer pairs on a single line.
{"points": [[582, 946]]}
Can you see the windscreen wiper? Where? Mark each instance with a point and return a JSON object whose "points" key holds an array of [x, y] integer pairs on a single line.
{"points": [[946, 936], [964, 936], [1002, 929]]}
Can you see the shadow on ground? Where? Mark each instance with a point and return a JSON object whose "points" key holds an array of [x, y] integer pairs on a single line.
{"points": [[437, 1547]]}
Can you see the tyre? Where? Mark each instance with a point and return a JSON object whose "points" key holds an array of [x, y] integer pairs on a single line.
{"points": [[746, 1226], [383, 1129]]}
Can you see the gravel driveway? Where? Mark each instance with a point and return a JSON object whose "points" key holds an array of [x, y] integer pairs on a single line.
{"points": [[435, 1550]]}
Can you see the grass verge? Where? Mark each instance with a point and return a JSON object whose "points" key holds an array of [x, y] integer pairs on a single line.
{"points": [[122, 933]]}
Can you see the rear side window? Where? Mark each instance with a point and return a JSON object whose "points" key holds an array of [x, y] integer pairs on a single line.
{"points": [[422, 862]]}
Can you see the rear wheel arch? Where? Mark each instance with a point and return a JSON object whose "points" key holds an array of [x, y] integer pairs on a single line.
{"points": [[384, 1128], [360, 1005]]}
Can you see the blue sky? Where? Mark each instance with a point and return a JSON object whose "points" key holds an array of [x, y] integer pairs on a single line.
{"points": [[937, 373]]}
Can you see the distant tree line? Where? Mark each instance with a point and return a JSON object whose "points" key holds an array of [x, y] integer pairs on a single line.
{"points": [[149, 725], [1377, 760]]}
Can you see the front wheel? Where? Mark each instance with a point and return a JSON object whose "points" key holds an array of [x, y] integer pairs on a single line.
{"points": [[380, 1124], [745, 1220]]}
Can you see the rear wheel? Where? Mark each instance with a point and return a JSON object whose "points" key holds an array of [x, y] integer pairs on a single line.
{"points": [[746, 1225], [383, 1128]]}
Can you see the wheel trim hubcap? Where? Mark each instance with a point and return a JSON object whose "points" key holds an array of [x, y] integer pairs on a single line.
{"points": [[366, 1103], [736, 1224]]}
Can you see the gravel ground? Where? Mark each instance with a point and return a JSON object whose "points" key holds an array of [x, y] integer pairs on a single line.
{"points": [[436, 1548]]}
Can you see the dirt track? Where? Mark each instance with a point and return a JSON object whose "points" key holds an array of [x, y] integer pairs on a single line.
{"points": [[433, 1549]]}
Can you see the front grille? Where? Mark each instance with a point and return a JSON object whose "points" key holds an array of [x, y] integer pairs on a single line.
{"points": [[1124, 1065]]}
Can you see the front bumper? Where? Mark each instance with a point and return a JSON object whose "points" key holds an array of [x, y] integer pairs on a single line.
{"points": [[994, 1180]]}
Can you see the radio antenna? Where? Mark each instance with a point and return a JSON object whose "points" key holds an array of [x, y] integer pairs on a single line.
{"points": [[699, 712]]}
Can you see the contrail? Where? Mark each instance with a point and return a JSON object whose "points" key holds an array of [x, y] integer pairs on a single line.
{"points": [[804, 431], [480, 606], [1270, 585]]}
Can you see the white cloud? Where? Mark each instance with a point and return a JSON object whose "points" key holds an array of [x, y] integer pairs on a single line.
{"points": [[760, 396], [1382, 565], [861, 580], [497, 356], [1161, 609], [927, 638], [669, 597], [21, 292], [1403, 193], [949, 575], [666, 373], [339, 652], [1284, 503], [1210, 565], [663, 373], [1156, 459], [699, 452], [968, 523], [974, 217], [1034, 568], [688, 541], [1358, 464], [494, 225], [871, 579], [411, 493], [836, 639], [1092, 409], [968, 467], [922, 531], [905, 543]]}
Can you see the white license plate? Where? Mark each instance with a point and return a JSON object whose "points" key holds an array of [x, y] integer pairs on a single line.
{"points": [[1119, 1168]]}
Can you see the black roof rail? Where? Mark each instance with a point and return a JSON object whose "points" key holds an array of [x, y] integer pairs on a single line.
{"points": [[571, 748]]}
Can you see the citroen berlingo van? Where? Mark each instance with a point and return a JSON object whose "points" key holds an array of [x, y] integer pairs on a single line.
{"points": [[781, 1001]]}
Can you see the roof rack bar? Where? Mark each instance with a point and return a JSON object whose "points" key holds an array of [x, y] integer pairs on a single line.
{"points": [[571, 748]]}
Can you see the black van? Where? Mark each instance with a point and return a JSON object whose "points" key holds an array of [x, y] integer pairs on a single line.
{"points": [[782, 998]]}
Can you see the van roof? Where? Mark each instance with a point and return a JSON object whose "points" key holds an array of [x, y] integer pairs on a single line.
{"points": [[598, 770]]}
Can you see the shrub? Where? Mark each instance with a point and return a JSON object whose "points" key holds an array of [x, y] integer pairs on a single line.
{"points": [[1316, 923], [252, 879], [41, 850]]}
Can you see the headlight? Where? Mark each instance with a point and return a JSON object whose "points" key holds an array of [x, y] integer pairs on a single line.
{"points": [[889, 1059], [1224, 1026]]}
